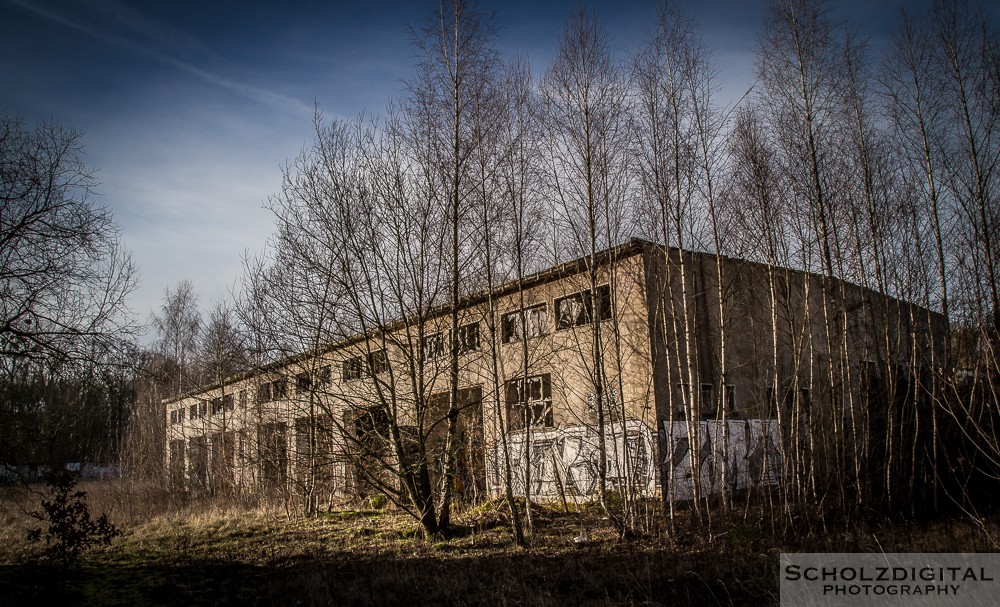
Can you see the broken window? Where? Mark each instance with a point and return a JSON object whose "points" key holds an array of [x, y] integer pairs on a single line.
{"points": [[707, 398], [529, 402], [279, 389], [529, 322], [378, 362], [468, 338], [353, 368], [433, 346], [264, 393], [577, 309], [303, 382], [323, 376]]}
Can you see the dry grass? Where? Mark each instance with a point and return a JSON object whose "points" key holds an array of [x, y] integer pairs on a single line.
{"points": [[212, 552]]}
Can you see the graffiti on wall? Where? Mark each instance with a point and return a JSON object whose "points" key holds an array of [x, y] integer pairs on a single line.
{"points": [[564, 462], [753, 457]]}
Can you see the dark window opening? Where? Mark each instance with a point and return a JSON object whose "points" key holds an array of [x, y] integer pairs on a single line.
{"points": [[353, 368], [526, 323], [303, 382], [433, 346], [264, 393], [577, 309], [378, 362], [468, 338], [323, 376], [279, 389], [529, 402]]}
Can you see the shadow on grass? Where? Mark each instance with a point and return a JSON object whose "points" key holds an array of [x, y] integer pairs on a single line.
{"points": [[587, 577]]}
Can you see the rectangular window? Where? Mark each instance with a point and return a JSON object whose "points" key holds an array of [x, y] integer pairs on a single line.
{"points": [[783, 397], [193, 412], [707, 398], [529, 402], [323, 376], [468, 338], [353, 368], [433, 346], [216, 406], [303, 382], [227, 402], [577, 309], [378, 362], [203, 408], [730, 403], [243, 399], [173, 416], [279, 389], [530, 322], [264, 393]]}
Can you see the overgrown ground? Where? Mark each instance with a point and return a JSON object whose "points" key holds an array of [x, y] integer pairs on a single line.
{"points": [[207, 552]]}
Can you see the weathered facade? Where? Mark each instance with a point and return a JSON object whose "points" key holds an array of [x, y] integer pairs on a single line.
{"points": [[735, 357]]}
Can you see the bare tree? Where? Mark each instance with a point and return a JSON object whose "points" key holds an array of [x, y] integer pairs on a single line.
{"points": [[222, 352], [587, 124], [178, 326], [668, 72], [64, 322], [63, 275], [447, 130]]}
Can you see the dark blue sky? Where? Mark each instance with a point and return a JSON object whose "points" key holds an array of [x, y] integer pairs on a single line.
{"points": [[189, 109]]}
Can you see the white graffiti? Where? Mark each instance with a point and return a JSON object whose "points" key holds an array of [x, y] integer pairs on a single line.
{"points": [[754, 456], [564, 462]]}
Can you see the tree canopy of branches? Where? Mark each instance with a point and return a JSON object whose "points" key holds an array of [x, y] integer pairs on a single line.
{"points": [[880, 176], [65, 331], [63, 275]]}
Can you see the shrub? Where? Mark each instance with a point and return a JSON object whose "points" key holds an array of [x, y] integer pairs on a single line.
{"points": [[71, 530]]}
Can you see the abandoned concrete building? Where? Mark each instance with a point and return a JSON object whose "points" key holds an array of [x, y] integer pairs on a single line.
{"points": [[692, 347]]}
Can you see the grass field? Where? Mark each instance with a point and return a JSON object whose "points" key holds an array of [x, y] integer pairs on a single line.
{"points": [[213, 553]]}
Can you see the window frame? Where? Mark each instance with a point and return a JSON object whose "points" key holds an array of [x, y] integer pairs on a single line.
{"points": [[352, 368], [433, 346], [463, 335], [512, 322], [303, 382], [378, 362], [522, 403], [585, 316]]}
